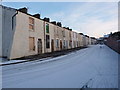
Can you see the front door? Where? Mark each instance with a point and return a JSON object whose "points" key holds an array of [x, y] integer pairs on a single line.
{"points": [[60, 44], [52, 45], [39, 46]]}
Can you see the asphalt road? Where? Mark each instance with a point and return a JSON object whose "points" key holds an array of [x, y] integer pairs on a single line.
{"points": [[92, 67]]}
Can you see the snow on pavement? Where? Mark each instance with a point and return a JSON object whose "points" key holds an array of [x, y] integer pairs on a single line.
{"points": [[94, 66]]}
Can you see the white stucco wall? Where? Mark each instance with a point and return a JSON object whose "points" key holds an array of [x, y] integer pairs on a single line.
{"points": [[84, 41], [89, 41], [57, 36], [20, 45], [1, 45], [7, 31], [0, 31], [67, 39], [60, 36], [51, 34], [81, 40], [16, 41]]}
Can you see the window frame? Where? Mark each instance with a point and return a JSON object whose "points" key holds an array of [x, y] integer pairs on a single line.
{"points": [[57, 43], [47, 41], [47, 28], [33, 48], [31, 23]]}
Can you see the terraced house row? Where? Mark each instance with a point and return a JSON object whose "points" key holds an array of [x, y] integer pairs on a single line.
{"points": [[24, 34]]}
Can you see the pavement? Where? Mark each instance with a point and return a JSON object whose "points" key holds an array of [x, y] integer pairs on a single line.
{"points": [[41, 57]]}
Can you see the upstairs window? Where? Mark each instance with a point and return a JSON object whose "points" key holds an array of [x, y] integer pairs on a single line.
{"points": [[63, 32], [70, 34], [31, 23], [47, 28]]}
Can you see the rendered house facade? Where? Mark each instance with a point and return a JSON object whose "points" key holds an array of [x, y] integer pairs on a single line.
{"points": [[24, 34]]}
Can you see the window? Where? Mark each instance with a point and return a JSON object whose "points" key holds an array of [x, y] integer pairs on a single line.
{"points": [[63, 32], [47, 28], [47, 41], [70, 34], [64, 43], [74, 44], [57, 43], [77, 43], [31, 27], [70, 43], [57, 31], [31, 23], [31, 44]]}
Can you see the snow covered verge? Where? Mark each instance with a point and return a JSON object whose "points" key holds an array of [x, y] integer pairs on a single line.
{"points": [[92, 67], [11, 61], [43, 60], [4, 61]]}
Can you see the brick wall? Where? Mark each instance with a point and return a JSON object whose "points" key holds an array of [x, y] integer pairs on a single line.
{"points": [[113, 43]]}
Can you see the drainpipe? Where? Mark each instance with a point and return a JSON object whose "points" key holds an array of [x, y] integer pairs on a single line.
{"points": [[13, 20], [44, 37], [12, 35]]}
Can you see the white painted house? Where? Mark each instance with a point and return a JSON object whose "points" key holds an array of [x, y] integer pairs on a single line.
{"points": [[23, 34]]}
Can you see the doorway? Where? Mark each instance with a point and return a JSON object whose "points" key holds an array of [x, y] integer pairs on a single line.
{"points": [[52, 45], [60, 44], [39, 46]]}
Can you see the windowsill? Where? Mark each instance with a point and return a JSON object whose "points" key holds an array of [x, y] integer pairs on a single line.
{"points": [[48, 33]]}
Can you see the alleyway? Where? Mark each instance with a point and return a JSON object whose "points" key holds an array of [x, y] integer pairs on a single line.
{"points": [[92, 67]]}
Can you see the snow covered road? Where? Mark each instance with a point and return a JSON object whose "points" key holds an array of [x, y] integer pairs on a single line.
{"points": [[94, 66]]}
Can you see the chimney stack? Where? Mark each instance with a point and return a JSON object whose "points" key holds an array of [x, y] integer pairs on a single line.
{"points": [[67, 28], [24, 10], [53, 22], [70, 29], [59, 24], [37, 16], [46, 19]]}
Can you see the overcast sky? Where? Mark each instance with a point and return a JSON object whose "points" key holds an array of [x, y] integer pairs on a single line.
{"points": [[91, 18]]}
